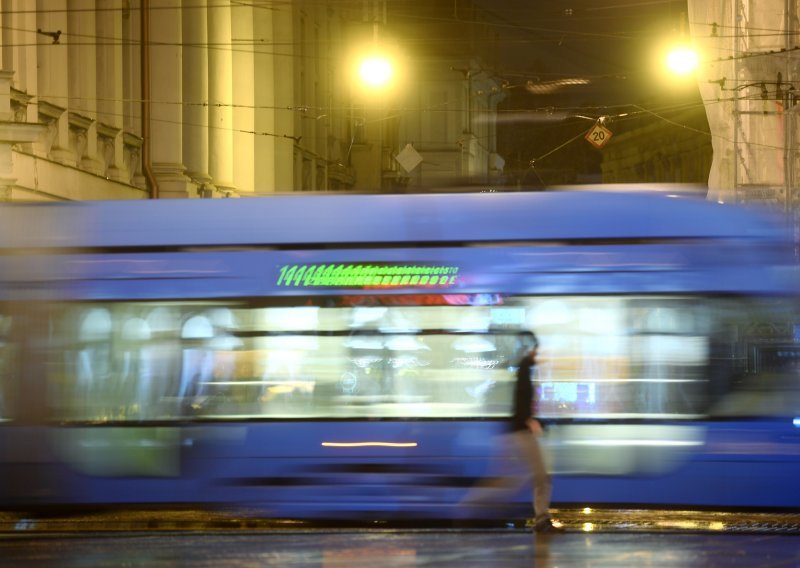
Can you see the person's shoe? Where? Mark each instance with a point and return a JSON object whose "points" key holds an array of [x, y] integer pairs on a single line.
{"points": [[548, 526]]}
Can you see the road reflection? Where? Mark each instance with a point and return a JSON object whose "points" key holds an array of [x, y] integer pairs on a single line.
{"points": [[369, 548]]}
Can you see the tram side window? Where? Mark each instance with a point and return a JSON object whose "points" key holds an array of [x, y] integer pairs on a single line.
{"points": [[153, 361], [600, 358], [380, 361], [773, 389], [670, 351], [759, 374], [205, 360], [620, 357], [117, 362]]}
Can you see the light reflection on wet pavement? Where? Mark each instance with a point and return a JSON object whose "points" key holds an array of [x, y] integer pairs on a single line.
{"points": [[240, 538], [378, 548]]}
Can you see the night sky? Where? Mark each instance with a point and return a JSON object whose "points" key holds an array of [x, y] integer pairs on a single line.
{"points": [[533, 46]]}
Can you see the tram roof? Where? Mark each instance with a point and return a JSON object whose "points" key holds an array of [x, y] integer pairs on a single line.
{"points": [[329, 219]]}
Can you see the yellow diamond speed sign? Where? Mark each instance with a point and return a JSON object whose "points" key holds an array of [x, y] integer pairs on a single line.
{"points": [[598, 135]]}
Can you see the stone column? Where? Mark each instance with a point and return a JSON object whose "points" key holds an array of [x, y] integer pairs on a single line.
{"points": [[243, 98], [132, 69], [283, 64], [51, 17], [195, 91], [220, 65], [82, 63], [265, 100], [110, 107], [6, 42], [25, 39], [166, 95]]}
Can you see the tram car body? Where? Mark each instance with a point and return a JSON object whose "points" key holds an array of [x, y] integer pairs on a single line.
{"points": [[330, 356]]}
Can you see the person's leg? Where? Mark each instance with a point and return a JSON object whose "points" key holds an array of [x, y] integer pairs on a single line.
{"points": [[504, 476], [530, 448]]}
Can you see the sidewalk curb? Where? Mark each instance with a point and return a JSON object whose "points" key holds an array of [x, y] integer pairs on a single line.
{"points": [[586, 520]]}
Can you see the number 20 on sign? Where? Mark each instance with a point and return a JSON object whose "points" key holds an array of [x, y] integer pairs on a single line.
{"points": [[598, 136]]}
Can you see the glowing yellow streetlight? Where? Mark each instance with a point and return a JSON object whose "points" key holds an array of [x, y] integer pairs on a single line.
{"points": [[682, 60], [376, 71]]}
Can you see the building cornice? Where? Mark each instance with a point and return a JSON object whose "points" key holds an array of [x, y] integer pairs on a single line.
{"points": [[21, 132]]}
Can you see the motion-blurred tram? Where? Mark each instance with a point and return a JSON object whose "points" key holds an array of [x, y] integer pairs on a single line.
{"points": [[329, 356]]}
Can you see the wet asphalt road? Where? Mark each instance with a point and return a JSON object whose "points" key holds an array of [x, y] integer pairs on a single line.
{"points": [[240, 538], [406, 548]]}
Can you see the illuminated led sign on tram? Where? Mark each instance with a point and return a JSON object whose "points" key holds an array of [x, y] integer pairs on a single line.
{"points": [[373, 275]]}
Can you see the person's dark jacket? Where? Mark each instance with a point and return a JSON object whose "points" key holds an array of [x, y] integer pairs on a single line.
{"points": [[523, 395]]}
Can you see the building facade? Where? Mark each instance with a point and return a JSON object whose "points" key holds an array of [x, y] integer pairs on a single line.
{"points": [[678, 151], [748, 83], [129, 99]]}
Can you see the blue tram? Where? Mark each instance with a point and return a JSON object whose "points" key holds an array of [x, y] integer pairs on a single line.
{"points": [[329, 356]]}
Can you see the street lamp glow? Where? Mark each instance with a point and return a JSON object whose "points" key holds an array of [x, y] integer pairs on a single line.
{"points": [[682, 60], [375, 71]]}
